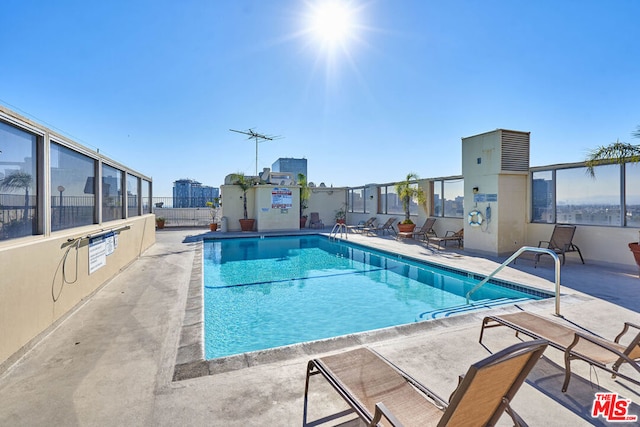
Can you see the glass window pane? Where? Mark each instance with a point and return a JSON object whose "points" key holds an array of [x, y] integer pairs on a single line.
{"points": [[111, 194], [437, 199], [581, 199], [73, 201], [394, 204], [146, 197], [18, 183], [413, 203], [132, 196], [453, 198], [542, 197], [357, 200], [632, 173]]}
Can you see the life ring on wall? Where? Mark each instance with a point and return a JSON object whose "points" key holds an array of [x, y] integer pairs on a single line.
{"points": [[474, 218]]}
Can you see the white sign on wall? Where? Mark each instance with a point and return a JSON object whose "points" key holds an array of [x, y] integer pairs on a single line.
{"points": [[110, 243], [97, 254]]}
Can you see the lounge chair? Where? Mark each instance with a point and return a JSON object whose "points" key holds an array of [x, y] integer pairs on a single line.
{"points": [[561, 242], [376, 389], [426, 229], [455, 236], [576, 344], [387, 227], [361, 225], [315, 221]]}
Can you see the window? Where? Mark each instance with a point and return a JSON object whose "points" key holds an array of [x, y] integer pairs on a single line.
{"points": [[542, 195], [132, 195], [368, 200], [146, 196], [73, 201], [111, 193], [632, 195], [453, 198], [392, 201], [356, 200], [581, 199], [438, 199], [18, 183]]}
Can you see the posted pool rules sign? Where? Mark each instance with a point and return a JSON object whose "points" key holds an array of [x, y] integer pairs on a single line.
{"points": [[99, 249]]}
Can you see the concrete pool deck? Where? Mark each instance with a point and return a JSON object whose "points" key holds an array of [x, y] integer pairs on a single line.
{"points": [[111, 362]]}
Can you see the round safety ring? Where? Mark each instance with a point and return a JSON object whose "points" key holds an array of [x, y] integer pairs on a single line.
{"points": [[474, 218]]}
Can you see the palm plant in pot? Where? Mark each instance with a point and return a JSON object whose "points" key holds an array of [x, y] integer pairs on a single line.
{"points": [[408, 190], [617, 152], [304, 198], [341, 215], [245, 183], [213, 210]]}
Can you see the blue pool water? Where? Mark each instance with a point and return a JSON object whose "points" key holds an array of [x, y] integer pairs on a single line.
{"points": [[265, 293]]}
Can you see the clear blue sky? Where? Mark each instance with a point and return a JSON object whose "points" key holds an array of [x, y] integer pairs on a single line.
{"points": [[157, 85]]}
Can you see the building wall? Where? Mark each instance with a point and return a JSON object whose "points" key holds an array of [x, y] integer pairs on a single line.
{"points": [[326, 201], [33, 292], [272, 219], [232, 208]]}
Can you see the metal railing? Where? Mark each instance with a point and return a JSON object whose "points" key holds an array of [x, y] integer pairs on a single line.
{"points": [[339, 228], [515, 255]]}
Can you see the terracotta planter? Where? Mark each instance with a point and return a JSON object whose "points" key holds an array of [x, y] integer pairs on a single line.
{"points": [[406, 228], [303, 222], [213, 226], [247, 224], [160, 223], [635, 248], [340, 221]]}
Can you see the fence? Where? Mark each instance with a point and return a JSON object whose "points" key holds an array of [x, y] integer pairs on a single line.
{"points": [[184, 217]]}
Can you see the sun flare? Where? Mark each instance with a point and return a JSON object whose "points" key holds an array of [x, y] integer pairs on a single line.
{"points": [[332, 22]]}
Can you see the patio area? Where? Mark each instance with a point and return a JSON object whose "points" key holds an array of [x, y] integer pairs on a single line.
{"points": [[111, 361]]}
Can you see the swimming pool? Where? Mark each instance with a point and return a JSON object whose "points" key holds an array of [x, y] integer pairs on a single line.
{"points": [[262, 293]]}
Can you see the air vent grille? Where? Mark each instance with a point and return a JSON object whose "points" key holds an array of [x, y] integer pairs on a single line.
{"points": [[515, 151]]}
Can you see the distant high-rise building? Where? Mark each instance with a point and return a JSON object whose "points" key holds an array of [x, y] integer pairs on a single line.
{"points": [[188, 193], [288, 164]]}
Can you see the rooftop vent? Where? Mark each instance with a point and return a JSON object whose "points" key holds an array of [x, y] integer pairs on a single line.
{"points": [[515, 151]]}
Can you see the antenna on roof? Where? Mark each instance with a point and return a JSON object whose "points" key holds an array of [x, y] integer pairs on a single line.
{"points": [[258, 137]]}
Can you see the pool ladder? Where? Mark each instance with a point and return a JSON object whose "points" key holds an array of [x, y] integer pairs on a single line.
{"points": [[340, 229], [515, 255]]}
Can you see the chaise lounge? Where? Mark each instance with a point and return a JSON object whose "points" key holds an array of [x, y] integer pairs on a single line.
{"points": [[362, 225], [561, 242], [575, 343], [387, 227], [376, 389], [450, 236]]}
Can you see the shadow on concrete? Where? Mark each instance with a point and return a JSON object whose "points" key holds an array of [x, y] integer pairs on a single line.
{"points": [[547, 377]]}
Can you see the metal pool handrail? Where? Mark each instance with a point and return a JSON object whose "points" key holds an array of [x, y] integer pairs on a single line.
{"points": [[338, 228], [515, 255]]}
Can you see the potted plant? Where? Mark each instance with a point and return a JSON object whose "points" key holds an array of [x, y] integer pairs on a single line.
{"points": [[341, 215], [213, 210], [406, 192], [617, 152], [304, 198], [241, 180], [160, 221]]}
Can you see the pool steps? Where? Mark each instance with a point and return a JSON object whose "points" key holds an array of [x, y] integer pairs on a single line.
{"points": [[476, 305]]}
